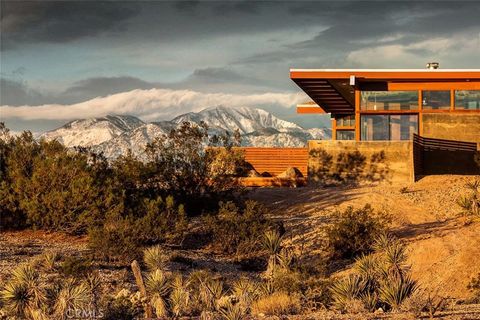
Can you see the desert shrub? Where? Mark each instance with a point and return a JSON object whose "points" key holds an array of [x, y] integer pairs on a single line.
{"points": [[277, 304], [186, 164], [353, 231], [123, 306], [122, 237], [73, 266], [237, 230]]}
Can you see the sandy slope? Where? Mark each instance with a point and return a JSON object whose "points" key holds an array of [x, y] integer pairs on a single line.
{"points": [[444, 248]]}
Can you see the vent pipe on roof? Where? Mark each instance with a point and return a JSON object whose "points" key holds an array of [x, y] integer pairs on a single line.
{"points": [[433, 65]]}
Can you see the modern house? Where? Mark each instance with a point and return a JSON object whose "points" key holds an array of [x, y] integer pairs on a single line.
{"points": [[380, 109]]}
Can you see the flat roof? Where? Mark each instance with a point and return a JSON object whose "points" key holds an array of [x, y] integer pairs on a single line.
{"points": [[331, 90]]}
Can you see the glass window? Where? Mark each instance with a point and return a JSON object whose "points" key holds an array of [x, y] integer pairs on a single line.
{"points": [[468, 100], [436, 100], [389, 127], [345, 135], [389, 100], [346, 121]]}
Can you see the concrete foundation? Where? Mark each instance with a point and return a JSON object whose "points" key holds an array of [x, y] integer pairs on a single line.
{"points": [[451, 126], [361, 160]]}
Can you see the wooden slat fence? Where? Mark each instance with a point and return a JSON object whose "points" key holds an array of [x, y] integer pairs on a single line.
{"points": [[277, 160], [438, 148]]}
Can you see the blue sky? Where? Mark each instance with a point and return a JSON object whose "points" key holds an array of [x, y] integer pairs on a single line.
{"points": [[69, 52]]}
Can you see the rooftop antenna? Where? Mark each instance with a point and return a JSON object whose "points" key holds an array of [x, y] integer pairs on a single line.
{"points": [[433, 65]]}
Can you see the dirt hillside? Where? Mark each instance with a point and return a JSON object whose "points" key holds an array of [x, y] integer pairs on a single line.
{"points": [[444, 248]]}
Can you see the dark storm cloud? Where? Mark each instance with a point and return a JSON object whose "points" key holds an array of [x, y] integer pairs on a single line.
{"points": [[61, 21], [208, 80], [18, 93]]}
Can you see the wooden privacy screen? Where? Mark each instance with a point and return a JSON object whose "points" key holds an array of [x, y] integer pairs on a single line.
{"points": [[440, 156], [277, 160]]}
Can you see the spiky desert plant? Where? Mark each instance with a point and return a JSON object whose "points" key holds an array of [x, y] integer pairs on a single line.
{"points": [[24, 292], [345, 290], [159, 306], [72, 296], [272, 242], [180, 296], [367, 266], [245, 291], [49, 260], [155, 258], [157, 283], [383, 241], [93, 283], [471, 204], [266, 288], [369, 300], [209, 293], [286, 259], [395, 290], [232, 311], [395, 258]]}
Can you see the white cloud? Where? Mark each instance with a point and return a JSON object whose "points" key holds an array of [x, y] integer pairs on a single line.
{"points": [[150, 105], [457, 51]]}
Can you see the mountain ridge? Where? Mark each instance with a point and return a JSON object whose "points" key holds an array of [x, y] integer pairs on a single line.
{"points": [[114, 135]]}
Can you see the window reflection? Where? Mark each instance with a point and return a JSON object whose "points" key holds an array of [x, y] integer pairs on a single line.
{"points": [[389, 100], [388, 127], [467, 99], [436, 100]]}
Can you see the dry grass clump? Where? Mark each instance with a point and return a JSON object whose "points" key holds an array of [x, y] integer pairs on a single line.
{"points": [[276, 304], [470, 203]]}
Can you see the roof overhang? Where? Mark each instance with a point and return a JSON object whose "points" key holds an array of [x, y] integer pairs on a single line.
{"points": [[334, 89]]}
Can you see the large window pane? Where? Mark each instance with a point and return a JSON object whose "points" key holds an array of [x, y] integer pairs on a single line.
{"points": [[388, 127], [345, 135], [389, 100], [436, 100], [468, 100], [346, 121]]}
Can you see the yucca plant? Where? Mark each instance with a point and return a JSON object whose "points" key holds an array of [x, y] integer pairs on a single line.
{"points": [[266, 288], [369, 300], [345, 290], [394, 290], [395, 258], [272, 242], [180, 297], [24, 292], [233, 312], [383, 241], [209, 293], [245, 291], [157, 283], [72, 296], [49, 260], [367, 266], [155, 258]]}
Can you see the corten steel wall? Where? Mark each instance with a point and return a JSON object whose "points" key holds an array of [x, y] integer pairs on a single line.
{"points": [[451, 126], [362, 160]]}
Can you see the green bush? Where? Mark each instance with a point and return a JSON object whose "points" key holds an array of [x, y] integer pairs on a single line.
{"points": [[235, 230], [354, 230], [75, 266], [122, 237]]}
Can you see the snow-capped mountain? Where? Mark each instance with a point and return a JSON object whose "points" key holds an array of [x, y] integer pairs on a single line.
{"points": [[115, 135], [244, 119], [91, 132]]}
